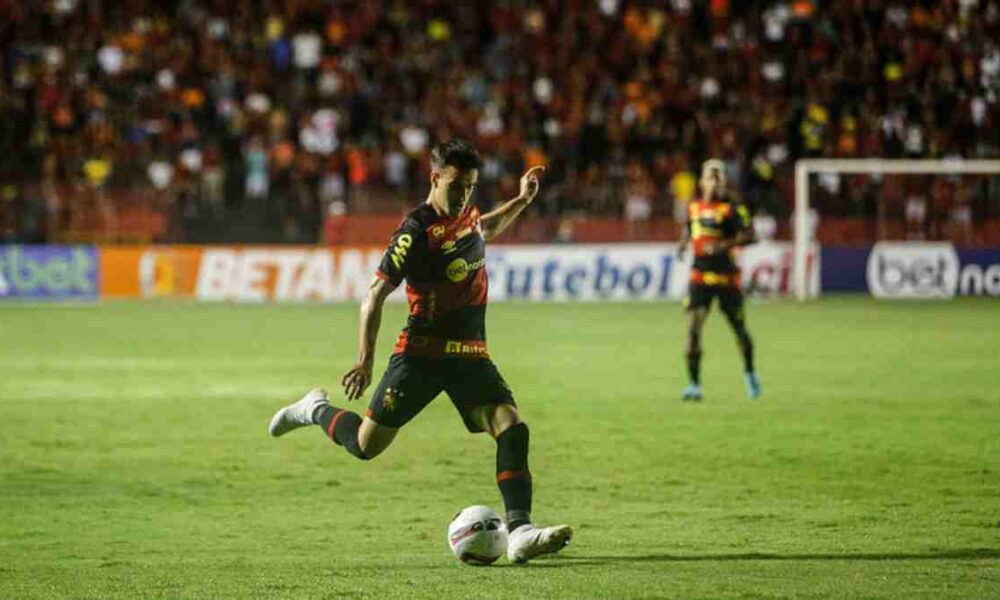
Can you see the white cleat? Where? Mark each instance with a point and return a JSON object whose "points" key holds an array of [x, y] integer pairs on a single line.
{"points": [[527, 541], [299, 414]]}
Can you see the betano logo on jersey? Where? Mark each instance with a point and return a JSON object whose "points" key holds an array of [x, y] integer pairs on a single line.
{"points": [[459, 269]]}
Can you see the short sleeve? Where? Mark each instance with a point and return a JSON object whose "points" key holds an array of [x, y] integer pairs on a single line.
{"points": [[738, 219], [742, 218], [395, 265]]}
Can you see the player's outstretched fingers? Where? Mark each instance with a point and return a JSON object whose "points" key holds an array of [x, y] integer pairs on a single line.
{"points": [[361, 382], [529, 181], [351, 383], [535, 171]]}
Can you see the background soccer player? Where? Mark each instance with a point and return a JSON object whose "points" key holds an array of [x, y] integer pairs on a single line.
{"points": [[440, 251], [715, 227]]}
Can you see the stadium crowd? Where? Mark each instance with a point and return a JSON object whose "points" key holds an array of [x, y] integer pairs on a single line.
{"points": [[283, 111]]}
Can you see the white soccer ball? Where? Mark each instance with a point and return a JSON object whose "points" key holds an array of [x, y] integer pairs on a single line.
{"points": [[477, 535]]}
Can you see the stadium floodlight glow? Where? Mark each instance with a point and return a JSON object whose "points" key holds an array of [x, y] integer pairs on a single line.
{"points": [[870, 166]]}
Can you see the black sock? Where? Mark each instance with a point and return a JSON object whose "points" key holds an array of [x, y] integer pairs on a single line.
{"points": [[748, 356], [694, 367], [341, 426], [513, 477], [746, 346]]}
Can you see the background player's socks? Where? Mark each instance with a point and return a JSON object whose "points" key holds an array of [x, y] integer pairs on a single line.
{"points": [[341, 426], [746, 345], [513, 477], [694, 367]]}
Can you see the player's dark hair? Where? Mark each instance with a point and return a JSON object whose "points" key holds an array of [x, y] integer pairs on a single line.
{"points": [[457, 153]]}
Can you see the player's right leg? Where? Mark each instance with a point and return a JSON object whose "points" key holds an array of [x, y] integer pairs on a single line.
{"points": [[697, 304], [525, 539], [732, 305]]}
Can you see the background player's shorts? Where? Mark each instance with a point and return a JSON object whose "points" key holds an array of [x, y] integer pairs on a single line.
{"points": [[730, 299], [411, 382]]}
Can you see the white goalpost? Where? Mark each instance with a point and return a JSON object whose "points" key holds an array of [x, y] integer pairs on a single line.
{"points": [[870, 166]]}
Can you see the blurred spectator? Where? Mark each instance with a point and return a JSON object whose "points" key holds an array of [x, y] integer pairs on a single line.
{"points": [[638, 203], [227, 107]]}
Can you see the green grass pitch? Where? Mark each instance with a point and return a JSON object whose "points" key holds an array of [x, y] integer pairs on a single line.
{"points": [[135, 462]]}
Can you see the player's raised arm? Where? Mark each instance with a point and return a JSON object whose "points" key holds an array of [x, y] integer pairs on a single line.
{"points": [[496, 221]]}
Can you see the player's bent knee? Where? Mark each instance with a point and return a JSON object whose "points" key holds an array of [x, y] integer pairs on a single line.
{"points": [[503, 418], [495, 419], [373, 438]]}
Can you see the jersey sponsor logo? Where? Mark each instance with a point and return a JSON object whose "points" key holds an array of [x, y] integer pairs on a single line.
{"points": [[459, 347], [400, 248], [437, 231], [699, 230], [458, 270], [449, 247], [711, 278]]}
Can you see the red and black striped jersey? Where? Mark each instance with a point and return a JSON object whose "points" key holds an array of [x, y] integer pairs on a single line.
{"points": [[443, 261], [709, 222]]}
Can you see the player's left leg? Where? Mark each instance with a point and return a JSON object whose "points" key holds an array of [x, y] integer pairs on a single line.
{"points": [[407, 386], [697, 304], [732, 305], [486, 404], [362, 438]]}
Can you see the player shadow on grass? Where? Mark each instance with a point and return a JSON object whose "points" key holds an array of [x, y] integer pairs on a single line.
{"points": [[563, 561], [958, 554]]}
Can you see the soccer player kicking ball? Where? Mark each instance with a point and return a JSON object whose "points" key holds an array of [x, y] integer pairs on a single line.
{"points": [[715, 227], [440, 251]]}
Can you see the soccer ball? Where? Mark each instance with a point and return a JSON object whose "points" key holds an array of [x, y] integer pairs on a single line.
{"points": [[477, 535]]}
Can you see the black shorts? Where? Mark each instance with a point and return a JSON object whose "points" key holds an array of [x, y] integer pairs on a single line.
{"points": [[730, 299], [411, 382]]}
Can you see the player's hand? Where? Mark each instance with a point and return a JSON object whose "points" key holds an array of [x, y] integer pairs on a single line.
{"points": [[529, 182], [357, 380]]}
